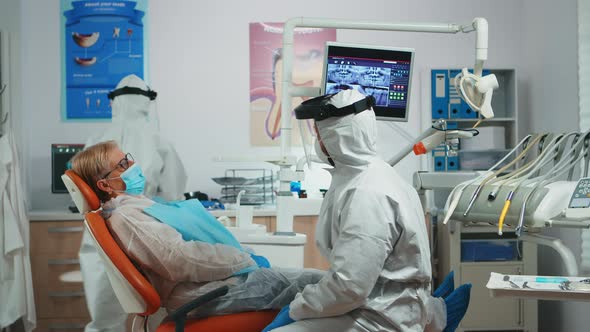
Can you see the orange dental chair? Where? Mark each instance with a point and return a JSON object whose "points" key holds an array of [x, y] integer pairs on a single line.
{"points": [[135, 293]]}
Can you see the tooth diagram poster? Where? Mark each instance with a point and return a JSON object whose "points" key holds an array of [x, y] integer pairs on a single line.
{"points": [[103, 41], [266, 43]]}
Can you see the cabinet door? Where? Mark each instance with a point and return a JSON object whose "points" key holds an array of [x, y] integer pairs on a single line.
{"points": [[54, 253], [485, 311], [312, 257], [60, 237], [61, 325], [55, 297], [266, 221]]}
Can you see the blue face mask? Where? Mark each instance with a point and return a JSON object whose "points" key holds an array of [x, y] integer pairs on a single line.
{"points": [[134, 180]]}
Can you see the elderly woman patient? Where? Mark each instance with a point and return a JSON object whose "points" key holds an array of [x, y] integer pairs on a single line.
{"points": [[182, 249]]}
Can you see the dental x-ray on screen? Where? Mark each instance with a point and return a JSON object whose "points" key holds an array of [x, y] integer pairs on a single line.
{"points": [[384, 72]]}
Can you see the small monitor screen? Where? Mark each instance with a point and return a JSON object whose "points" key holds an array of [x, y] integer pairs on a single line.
{"points": [[61, 154], [383, 72]]}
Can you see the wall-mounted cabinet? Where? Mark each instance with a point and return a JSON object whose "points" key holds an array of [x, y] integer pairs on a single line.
{"points": [[496, 135]]}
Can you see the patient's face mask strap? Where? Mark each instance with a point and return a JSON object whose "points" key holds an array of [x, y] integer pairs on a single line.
{"points": [[127, 90]]}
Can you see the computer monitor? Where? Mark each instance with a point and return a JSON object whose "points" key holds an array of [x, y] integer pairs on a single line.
{"points": [[61, 154], [384, 72]]}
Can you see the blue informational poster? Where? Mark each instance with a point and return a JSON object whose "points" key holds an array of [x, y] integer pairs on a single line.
{"points": [[104, 42]]}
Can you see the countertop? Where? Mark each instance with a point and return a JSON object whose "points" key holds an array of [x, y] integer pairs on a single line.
{"points": [[53, 215], [306, 207]]}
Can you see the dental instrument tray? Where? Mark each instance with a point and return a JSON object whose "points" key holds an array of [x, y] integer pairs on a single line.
{"points": [[241, 181], [258, 186], [539, 287], [249, 190]]}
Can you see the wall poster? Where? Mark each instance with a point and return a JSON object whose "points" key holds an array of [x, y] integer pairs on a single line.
{"points": [[266, 41], [103, 41]]}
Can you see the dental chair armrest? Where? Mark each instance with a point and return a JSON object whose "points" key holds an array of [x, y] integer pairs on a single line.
{"points": [[179, 315]]}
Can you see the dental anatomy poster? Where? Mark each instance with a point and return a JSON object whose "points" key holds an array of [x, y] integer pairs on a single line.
{"points": [[266, 42], [103, 41]]}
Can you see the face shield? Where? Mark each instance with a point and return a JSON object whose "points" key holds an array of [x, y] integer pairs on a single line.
{"points": [[323, 107], [127, 90], [133, 101], [328, 109]]}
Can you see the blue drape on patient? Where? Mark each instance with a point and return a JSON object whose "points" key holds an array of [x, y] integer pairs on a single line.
{"points": [[193, 222]]}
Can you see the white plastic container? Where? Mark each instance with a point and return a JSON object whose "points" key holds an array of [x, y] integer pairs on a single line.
{"points": [[489, 138], [280, 250]]}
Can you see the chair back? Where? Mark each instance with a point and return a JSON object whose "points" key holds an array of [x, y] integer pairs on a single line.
{"points": [[133, 290], [83, 196]]}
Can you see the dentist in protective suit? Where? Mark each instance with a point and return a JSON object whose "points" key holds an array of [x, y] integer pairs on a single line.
{"points": [[135, 128], [371, 229]]}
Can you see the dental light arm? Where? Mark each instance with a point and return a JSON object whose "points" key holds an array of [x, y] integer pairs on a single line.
{"points": [[284, 197], [479, 25]]}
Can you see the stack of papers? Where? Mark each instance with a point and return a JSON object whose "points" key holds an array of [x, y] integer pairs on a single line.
{"points": [[539, 287]]}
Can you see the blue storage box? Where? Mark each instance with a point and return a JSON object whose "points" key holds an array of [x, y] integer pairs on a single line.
{"points": [[489, 250]]}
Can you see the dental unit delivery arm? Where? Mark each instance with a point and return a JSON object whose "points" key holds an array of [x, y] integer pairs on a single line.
{"points": [[569, 260], [284, 197]]}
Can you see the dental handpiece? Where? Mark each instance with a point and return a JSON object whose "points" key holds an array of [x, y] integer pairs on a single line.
{"points": [[472, 201], [505, 211], [521, 218]]}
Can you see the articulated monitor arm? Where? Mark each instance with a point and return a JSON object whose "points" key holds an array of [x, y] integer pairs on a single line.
{"points": [[431, 138]]}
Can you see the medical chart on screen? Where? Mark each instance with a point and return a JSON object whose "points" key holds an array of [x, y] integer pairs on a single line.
{"points": [[103, 42], [266, 43]]}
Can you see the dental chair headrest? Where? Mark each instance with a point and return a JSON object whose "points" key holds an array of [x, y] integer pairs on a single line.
{"points": [[84, 197]]}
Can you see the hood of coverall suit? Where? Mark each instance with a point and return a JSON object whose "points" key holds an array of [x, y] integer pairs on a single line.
{"points": [[351, 141], [135, 127]]}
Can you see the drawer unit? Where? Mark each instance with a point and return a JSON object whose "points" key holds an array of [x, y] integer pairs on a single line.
{"points": [[60, 305], [54, 297], [61, 325], [473, 252], [50, 237]]}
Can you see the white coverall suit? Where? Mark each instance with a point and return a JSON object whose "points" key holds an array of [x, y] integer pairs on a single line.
{"points": [[182, 270], [135, 129], [372, 230]]}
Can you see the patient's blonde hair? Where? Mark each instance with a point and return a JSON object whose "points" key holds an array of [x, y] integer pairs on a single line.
{"points": [[92, 163]]}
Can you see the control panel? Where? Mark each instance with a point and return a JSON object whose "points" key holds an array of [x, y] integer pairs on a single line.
{"points": [[579, 205]]}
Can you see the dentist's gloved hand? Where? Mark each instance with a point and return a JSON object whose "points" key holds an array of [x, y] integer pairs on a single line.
{"points": [[282, 319], [261, 261]]}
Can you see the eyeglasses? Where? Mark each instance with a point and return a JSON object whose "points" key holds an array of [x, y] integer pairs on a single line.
{"points": [[123, 164]]}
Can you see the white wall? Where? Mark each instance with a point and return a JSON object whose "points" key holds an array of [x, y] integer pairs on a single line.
{"points": [[10, 24], [550, 62], [198, 53], [198, 63]]}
